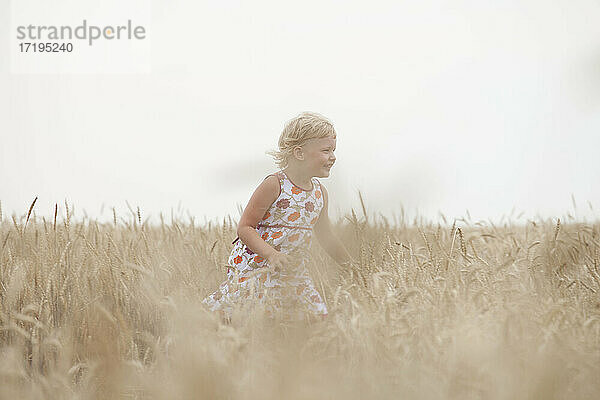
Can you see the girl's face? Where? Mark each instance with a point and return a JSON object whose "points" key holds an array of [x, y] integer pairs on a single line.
{"points": [[319, 157]]}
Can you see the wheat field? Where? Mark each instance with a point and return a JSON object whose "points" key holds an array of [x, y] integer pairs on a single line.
{"points": [[463, 310]]}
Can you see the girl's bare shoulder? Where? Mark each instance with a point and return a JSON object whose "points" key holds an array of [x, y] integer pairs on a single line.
{"points": [[260, 201], [269, 188]]}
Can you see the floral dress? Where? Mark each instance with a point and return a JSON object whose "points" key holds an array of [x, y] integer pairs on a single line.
{"points": [[287, 226]]}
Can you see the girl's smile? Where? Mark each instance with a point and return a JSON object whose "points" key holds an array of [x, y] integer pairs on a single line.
{"points": [[319, 156]]}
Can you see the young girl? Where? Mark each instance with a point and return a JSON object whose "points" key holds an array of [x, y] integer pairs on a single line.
{"points": [[275, 230]]}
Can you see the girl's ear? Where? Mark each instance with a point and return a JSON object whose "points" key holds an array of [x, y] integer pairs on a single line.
{"points": [[298, 153]]}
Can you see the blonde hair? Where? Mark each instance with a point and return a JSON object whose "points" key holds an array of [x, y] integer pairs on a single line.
{"points": [[297, 131]]}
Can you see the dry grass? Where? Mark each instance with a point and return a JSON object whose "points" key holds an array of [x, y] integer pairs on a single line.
{"points": [[92, 310]]}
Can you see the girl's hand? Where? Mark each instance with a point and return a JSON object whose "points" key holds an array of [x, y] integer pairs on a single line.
{"points": [[278, 260]]}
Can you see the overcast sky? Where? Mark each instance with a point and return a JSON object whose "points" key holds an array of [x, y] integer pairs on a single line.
{"points": [[439, 106]]}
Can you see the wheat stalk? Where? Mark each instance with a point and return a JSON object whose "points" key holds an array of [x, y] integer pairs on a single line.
{"points": [[29, 212], [463, 247], [55, 214]]}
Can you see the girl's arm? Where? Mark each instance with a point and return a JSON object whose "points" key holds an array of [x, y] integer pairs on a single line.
{"points": [[332, 245], [262, 198]]}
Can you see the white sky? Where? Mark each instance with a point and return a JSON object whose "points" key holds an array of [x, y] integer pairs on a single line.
{"points": [[439, 106]]}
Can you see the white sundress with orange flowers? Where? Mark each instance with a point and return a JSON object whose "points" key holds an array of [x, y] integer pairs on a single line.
{"points": [[287, 226]]}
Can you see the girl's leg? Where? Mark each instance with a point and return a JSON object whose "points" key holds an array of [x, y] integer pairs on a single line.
{"points": [[225, 319], [316, 318]]}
